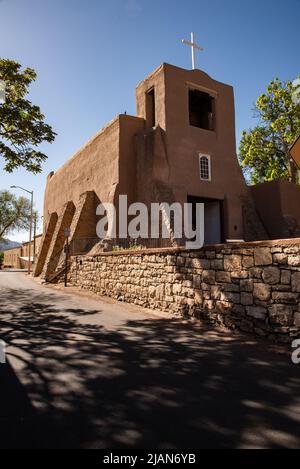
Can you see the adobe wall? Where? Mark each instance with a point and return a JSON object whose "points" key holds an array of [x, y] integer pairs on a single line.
{"points": [[95, 167], [278, 204], [254, 287], [156, 79], [161, 164], [171, 156], [184, 142], [12, 258], [25, 247]]}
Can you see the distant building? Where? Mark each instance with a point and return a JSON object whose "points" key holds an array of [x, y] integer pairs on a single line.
{"points": [[18, 258]]}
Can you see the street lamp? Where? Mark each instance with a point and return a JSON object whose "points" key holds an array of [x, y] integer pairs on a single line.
{"points": [[30, 223]]}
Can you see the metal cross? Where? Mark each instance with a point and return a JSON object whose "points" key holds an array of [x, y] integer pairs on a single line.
{"points": [[194, 46]]}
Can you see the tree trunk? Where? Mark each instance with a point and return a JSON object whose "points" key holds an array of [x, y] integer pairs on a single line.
{"points": [[293, 171]]}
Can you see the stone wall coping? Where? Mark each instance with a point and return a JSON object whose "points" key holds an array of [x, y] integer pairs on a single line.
{"points": [[211, 247]]}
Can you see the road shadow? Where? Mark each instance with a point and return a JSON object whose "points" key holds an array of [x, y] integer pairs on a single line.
{"points": [[153, 383]]}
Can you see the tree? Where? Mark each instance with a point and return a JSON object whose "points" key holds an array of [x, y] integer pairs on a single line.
{"points": [[264, 150], [22, 125], [14, 213]]}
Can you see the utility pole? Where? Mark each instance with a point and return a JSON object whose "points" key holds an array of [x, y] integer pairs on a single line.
{"points": [[34, 236]]}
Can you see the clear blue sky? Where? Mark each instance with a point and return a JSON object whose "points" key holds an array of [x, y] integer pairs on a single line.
{"points": [[90, 54]]}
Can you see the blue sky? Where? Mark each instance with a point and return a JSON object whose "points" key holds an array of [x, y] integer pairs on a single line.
{"points": [[90, 55]]}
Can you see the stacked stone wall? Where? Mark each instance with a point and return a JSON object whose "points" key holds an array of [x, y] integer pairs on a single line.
{"points": [[254, 287]]}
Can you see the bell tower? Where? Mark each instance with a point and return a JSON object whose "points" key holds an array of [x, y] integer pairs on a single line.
{"points": [[190, 121]]}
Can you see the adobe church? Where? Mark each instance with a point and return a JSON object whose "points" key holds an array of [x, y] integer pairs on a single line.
{"points": [[180, 147]]}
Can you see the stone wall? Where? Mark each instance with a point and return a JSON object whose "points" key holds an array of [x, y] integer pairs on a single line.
{"points": [[254, 286]]}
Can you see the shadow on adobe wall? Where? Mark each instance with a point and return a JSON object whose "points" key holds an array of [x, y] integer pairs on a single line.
{"points": [[278, 205]]}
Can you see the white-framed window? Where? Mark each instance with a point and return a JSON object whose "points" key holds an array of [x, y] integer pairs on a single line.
{"points": [[205, 167]]}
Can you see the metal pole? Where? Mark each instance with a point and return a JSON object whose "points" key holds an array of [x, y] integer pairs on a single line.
{"points": [[30, 234], [66, 261], [34, 236], [193, 50]]}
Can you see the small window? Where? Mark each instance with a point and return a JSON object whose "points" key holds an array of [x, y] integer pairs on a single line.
{"points": [[150, 108], [205, 167], [201, 110]]}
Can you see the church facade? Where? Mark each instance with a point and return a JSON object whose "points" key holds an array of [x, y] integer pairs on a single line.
{"points": [[180, 147]]}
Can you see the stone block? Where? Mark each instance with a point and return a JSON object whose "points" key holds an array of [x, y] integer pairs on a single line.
{"points": [[223, 277], [216, 264], [262, 256], [198, 297], [231, 297], [222, 306], [216, 292], [231, 287], [257, 312], [201, 263], [209, 305], [271, 275], [232, 262], [210, 254], [246, 285], [281, 314], [239, 274], [296, 282], [285, 277], [276, 249], [246, 299], [297, 319], [180, 261], [255, 272], [209, 276], [262, 291], [285, 297], [294, 261], [247, 262], [292, 250], [280, 259]]}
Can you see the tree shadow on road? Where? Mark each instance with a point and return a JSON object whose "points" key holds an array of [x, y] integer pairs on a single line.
{"points": [[152, 383]]}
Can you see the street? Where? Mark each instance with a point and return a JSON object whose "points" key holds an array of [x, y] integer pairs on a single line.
{"points": [[84, 372]]}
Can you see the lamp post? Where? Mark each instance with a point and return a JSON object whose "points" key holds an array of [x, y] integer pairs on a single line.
{"points": [[30, 223]]}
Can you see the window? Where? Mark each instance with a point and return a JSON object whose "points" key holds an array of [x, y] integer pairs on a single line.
{"points": [[201, 110], [150, 108], [205, 167]]}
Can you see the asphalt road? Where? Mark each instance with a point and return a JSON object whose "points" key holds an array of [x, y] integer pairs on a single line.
{"points": [[92, 373]]}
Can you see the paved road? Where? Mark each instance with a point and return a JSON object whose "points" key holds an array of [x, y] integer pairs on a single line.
{"points": [[88, 373]]}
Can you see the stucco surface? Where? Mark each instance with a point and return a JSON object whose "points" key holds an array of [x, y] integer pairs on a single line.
{"points": [[160, 163]]}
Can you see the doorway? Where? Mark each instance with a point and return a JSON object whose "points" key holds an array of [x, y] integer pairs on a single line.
{"points": [[213, 218]]}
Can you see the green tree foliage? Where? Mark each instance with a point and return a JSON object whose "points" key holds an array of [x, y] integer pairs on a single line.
{"points": [[1, 258], [14, 213], [22, 125], [264, 150]]}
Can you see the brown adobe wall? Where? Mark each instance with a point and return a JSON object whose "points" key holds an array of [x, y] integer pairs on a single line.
{"points": [[106, 161], [278, 204], [169, 154], [12, 258]]}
